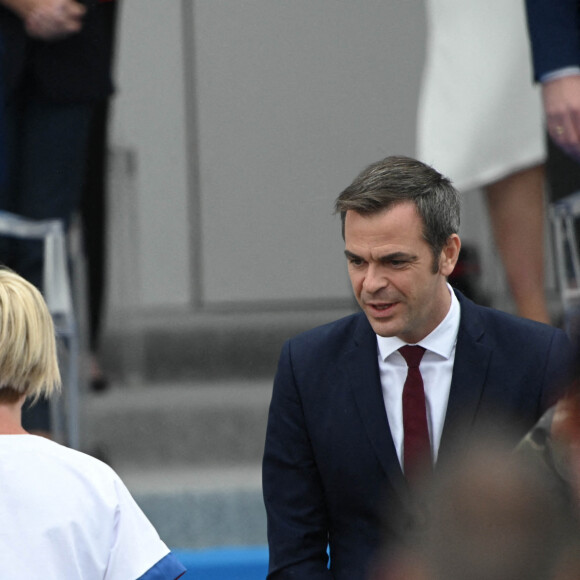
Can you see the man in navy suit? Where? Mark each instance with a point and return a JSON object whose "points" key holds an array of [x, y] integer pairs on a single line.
{"points": [[335, 456], [554, 27]]}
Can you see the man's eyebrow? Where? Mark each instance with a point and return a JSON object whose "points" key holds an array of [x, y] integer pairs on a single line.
{"points": [[394, 256], [398, 256]]}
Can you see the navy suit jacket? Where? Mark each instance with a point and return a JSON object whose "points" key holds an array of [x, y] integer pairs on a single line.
{"points": [[330, 469], [554, 27]]}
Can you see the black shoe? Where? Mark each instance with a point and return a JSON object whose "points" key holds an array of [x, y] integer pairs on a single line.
{"points": [[99, 384]]}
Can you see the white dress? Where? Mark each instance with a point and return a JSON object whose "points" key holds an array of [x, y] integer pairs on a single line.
{"points": [[479, 116], [67, 516]]}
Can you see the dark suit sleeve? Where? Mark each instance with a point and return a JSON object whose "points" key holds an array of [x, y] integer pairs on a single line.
{"points": [[554, 34], [559, 369], [293, 492]]}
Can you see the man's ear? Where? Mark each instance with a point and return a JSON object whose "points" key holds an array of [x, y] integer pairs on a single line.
{"points": [[449, 255]]}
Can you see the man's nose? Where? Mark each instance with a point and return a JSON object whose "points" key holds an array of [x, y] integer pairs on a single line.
{"points": [[375, 279]]}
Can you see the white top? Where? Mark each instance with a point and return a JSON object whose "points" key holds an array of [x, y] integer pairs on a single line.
{"points": [[480, 116], [65, 516], [436, 369]]}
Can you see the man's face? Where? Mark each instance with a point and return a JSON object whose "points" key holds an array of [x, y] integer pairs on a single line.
{"points": [[391, 271]]}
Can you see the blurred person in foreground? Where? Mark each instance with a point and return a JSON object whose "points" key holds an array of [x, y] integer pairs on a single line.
{"points": [[364, 406], [489, 514], [493, 514], [64, 514], [555, 444]]}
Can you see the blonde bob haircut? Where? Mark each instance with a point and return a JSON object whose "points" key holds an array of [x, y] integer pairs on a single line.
{"points": [[28, 360]]}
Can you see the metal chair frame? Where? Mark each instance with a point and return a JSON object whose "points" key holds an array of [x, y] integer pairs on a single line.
{"points": [[58, 296], [564, 216]]}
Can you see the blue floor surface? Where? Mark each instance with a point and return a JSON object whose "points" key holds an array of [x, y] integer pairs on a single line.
{"points": [[247, 563]]}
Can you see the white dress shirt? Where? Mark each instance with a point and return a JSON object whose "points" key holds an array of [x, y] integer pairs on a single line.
{"points": [[436, 369]]}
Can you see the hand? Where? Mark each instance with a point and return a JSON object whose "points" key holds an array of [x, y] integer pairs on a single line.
{"points": [[49, 19], [562, 106]]}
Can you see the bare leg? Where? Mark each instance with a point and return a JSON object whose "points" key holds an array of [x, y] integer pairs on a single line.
{"points": [[516, 210]]}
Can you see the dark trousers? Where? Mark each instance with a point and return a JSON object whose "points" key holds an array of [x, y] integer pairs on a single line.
{"points": [[46, 148]]}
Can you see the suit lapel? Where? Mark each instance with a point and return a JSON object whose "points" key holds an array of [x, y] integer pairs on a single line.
{"points": [[472, 358], [362, 373], [470, 368]]}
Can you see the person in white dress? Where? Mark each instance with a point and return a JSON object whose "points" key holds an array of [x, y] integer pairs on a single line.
{"points": [[480, 122], [64, 514]]}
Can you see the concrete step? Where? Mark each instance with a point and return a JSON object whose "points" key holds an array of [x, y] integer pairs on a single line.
{"points": [[194, 508], [231, 343], [190, 453], [194, 424]]}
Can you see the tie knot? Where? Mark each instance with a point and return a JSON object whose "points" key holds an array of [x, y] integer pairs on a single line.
{"points": [[412, 355]]}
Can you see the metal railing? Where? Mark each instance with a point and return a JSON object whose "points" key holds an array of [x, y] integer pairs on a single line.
{"points": [[58, 296]]}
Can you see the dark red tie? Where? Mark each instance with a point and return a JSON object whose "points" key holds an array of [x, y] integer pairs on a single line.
{"points": [[416, 446]]}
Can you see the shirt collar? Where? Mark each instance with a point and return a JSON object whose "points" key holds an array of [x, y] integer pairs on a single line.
{"points": [[441, 340]]}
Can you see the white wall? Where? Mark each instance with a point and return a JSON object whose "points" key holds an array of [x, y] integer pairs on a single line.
{"points": [[148, 120], [293, 100], [246, 118]]}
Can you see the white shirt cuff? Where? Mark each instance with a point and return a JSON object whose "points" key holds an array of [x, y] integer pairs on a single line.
{"points": [[567, 71]]}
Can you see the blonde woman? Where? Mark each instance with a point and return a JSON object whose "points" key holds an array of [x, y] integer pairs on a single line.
{"points": [[64, 514]]}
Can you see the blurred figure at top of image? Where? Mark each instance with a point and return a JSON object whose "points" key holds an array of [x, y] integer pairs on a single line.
{"points": [[479, 123], [65, 515], [49, 19], [95, 203], [56, 68], [488, 515]]}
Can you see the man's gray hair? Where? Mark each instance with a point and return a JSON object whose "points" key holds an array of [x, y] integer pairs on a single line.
{"points": [[399, 179]]}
